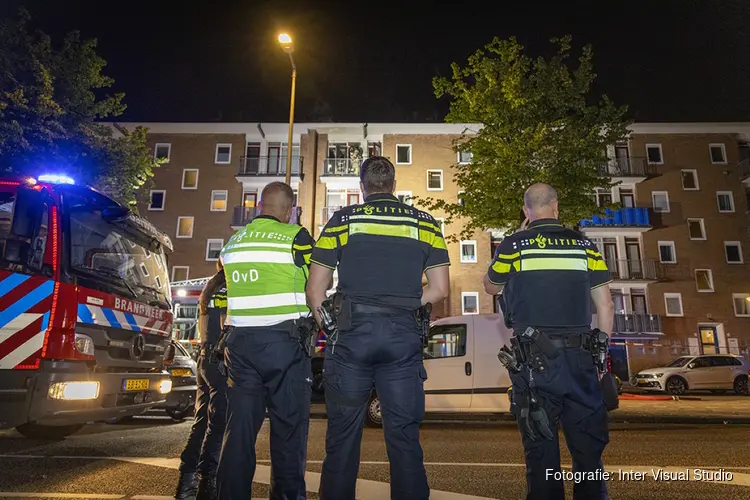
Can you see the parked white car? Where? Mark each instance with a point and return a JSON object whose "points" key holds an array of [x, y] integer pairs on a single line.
{"points": [[715, 372], [463, 372]]}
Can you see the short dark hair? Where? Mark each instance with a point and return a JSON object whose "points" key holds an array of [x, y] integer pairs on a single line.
{"points": [[378, 175]]}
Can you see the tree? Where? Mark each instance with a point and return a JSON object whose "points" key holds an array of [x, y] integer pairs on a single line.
{"points": [[50, 102], [534, 125]]}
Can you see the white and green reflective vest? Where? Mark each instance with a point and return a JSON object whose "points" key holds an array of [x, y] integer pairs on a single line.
{"points": [[264, 285]]}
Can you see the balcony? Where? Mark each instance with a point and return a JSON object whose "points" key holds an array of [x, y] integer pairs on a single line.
{"points": [[327, 212], [242, 216], [268, 166], [645, 270], [637, 324], [627, 169], [623, 220]]}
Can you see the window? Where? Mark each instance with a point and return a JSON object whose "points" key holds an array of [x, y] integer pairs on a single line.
{"points": [[185, 227], [667, 254], [434, 180], [465, 156], [653, 154], [404, 197], [180, 273], [213, 248], [733, 252], [101, 251], [219, 201], [660, 201], [190, 178], [223, 154], [469, 302], [704, 280], [673, 304], [441, 223], [718, 154], [741, 304], [689, 180], [157, 199], [403, 154], [461, 200], [725, 200], [162, 151], [469, 252], [696, 229], [446, 341]]}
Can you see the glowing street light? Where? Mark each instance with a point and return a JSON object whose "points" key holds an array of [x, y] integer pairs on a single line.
{"points": [[286, 44]]}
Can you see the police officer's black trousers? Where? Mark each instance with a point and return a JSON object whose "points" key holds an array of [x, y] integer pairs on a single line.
{"points": [[385, 351], [201, 453], [569, 392], [266, 369]]}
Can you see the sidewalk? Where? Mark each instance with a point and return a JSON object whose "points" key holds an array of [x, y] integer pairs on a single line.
{"points": [[713, 410]]}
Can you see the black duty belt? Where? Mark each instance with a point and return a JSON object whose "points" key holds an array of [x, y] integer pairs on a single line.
{"points": [[571, 340], [368, 309]]}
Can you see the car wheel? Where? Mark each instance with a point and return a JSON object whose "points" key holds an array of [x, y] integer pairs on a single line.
{"points": [[741, 386], [373, 416], [676, 386], [48, 432]]}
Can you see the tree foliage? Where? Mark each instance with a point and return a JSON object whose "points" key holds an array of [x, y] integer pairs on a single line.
{"points": [[50, 101], [535, 125]]}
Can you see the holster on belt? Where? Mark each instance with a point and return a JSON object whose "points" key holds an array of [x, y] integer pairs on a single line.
{"points": [[304, 332], [609, 392], [342, 310]]}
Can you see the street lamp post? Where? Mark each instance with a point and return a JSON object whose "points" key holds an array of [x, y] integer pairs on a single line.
{"points": [[286, 43]]}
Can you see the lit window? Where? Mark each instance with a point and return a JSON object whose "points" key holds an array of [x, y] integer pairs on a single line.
{"points": [[741, 303], [185, 227], [190, 178], [704, 280], [180, 273], [219, 201]]}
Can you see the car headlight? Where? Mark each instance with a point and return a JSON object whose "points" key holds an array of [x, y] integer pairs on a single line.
{"points": [[165, 386], [658, 375], [74, 390]]}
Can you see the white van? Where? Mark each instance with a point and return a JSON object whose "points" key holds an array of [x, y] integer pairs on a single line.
{"points": [[463, 372]]}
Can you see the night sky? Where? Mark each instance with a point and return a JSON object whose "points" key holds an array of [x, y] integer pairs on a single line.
{"points": [[685, 60]]}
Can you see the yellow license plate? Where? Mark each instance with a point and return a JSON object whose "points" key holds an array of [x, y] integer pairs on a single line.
{"points": [[182, 372], [140, 384]]}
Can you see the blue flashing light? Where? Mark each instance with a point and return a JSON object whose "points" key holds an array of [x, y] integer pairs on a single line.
{"points": [[55, 179]]}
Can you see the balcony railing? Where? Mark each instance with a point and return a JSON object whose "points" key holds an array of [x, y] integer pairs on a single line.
{"points": [[341, 167], [242, 216], [627, 167], [268, 165], [637, 323], [327, 212], [642, 269], [623, 217]]}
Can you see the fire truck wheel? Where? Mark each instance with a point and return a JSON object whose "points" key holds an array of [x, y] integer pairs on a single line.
{"points": [[36, 431], [373, 417]]}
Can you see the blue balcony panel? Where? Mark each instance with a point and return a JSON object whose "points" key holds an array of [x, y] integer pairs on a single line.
{"points": [[623, 217]]}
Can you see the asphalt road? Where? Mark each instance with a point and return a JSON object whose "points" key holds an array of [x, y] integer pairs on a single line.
{"points": [[138, 461]]}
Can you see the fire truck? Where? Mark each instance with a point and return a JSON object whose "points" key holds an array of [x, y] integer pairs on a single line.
{"points": [[85, 308]]}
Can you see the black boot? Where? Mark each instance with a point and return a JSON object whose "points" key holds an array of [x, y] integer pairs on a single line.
{"points": [[187, 486], [207, 488]]}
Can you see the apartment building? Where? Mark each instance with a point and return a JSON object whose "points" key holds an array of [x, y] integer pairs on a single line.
{"points": [[211, 184], [674, 241]]}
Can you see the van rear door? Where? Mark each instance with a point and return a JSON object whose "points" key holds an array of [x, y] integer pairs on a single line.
{"points": [[491, 379], [448, 360]]}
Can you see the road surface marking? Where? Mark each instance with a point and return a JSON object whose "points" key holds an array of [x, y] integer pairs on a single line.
{"points": [[93, 496], [366, 489]]}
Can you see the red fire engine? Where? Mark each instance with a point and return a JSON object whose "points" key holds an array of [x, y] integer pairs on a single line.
{"points": [[85, 308]]}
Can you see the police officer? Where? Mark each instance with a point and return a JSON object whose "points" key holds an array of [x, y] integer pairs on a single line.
{"points": [[266, 265], [381, 248], [201, 454], [549, 276]]}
